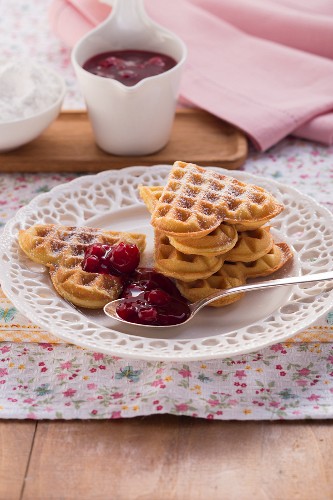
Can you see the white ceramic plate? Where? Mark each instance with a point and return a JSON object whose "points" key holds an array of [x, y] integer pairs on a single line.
{"points": [[110, 200]]}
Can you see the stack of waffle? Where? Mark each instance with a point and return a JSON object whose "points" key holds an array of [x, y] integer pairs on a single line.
{"points": [[210, 231]]}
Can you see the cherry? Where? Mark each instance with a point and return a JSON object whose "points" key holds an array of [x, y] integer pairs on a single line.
{"points": [[125, 257], [147, 315], [156, 61], [91, 264], [97, 249], [157, 297], [127, 312], [152, 279], [104, 265], [116, 260]]}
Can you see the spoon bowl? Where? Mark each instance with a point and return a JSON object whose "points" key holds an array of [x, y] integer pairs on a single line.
{"points": [[110, 309]]}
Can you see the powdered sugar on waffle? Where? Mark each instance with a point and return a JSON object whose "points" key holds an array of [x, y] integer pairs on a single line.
{"points": [[195, 201], [47, 243]]}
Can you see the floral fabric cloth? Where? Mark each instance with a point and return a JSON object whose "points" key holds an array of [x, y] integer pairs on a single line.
{"points": [[42, 378], [46, 381]]}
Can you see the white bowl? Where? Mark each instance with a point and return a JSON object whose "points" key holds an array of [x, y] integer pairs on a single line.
{"points": [[15, 133]]}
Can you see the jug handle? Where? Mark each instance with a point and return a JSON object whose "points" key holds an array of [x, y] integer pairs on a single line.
{"points": [[129, 15]]}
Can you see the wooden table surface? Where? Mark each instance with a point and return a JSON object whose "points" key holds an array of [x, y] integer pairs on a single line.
{"points": [[165, 458]]}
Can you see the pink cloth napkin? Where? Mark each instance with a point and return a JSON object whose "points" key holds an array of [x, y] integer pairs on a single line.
{"points": [[263, 66]]}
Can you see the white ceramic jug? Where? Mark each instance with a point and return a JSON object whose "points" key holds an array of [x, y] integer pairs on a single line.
{"points": [[133, 120]]}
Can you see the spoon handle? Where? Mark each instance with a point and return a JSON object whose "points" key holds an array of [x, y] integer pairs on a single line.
{"points": [[259, 286]]}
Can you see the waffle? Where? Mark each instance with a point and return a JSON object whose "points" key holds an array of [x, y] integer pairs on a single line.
{"points": [[276, 258], [89, 290], [218, 242], [195, 201], [151, 194], [49, 243], [251, 245], [235, 274], [223, 279], [62, 248], [175, 264], [249, 226]]}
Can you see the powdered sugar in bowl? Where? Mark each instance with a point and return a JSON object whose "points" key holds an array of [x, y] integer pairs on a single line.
{"points": [[31, 96]]}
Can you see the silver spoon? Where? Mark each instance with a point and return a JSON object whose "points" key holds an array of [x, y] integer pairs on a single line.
{"points": [[110, 308]]}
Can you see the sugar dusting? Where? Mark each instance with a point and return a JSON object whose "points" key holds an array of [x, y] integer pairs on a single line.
{"points": [[25, 90], [195, 198]]}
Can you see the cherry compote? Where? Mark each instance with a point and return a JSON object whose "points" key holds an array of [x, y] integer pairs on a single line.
{"points": [[145, 279], [149, 297], [129, 66], [116, 260], [152, 299]]}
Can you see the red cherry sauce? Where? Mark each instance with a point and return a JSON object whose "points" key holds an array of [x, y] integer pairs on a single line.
{"points": [[120, 259], [129, 66], [149, 297], [152, 299]]}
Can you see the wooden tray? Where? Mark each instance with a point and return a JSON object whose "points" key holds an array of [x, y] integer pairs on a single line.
{"points": [[68, 146]]}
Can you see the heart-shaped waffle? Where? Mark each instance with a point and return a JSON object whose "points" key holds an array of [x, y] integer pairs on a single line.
{"points": [[89, 290], [276, 258], [235, 274], [151, 194], [49, 243], [251, 245], [221, 280], [175, 264], [196, 200], [217, 242], [62, 249]]}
